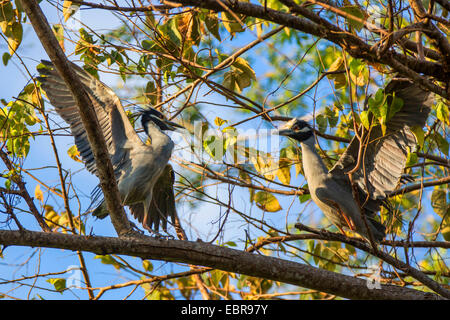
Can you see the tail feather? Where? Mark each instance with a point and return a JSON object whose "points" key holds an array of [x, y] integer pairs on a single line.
{"points": [[162, 207], [101, 212], [378, 229]]}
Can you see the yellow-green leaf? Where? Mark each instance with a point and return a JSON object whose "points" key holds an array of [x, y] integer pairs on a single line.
{"points": [[6, 11], [364, 116], [69, 9], [340, 80], [231, 23], [15, 37], [219, 121], [358, 21], [264, 164], [58, 30], [284, 172], [212, 24], [420, 135], [267, 201], [439, 201], [74, 153], [445, 231], [442, 113], [58, 283], [38, 194], [147, 265]]}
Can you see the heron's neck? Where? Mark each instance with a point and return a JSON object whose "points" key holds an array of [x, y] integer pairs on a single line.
{"points": [[313, 165], [159, 140]]}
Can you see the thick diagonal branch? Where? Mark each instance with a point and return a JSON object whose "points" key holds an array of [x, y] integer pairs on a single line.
{"points": [[217, 257], [87, 114]]}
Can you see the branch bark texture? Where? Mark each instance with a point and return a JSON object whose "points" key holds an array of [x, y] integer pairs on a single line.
{"points": [[86, 110], [205, 254]]}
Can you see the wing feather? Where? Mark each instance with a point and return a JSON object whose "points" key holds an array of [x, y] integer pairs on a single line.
{"points": [[162, 205], [111, 117], [385, 156]]}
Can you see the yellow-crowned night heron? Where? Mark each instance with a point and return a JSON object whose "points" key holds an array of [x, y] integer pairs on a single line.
{"points": [[144, 177], [382, 160]]}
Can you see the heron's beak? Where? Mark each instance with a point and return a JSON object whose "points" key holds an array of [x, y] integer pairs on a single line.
{"points": [[284, 132], [172, 125]]}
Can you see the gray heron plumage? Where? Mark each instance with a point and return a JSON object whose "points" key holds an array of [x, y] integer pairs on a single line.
{"points": [[353, 204], [144, 177]]}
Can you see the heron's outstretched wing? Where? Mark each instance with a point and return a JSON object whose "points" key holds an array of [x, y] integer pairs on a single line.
{"points": [[117, 129], [384, 157], [163, 202]]}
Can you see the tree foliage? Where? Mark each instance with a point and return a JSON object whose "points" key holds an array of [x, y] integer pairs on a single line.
{"points": [[228, 71]]}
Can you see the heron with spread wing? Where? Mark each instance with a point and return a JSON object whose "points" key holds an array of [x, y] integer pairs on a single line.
{"points": [[350, 194], [144, 177]]}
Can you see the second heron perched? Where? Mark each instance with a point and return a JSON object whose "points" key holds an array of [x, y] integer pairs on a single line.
{"points": [[375, 169], [144, 177]]}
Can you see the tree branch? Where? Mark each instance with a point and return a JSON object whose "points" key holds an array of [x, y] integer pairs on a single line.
{"points": [[87, 114], [217, 257], [398, 264]]}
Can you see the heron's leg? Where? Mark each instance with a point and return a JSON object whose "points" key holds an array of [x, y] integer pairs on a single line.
{"points": [[347, 220], [135, 227], [158, 235]]}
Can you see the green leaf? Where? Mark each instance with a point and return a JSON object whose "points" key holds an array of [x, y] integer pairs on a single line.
{"points": [[442, 113], [69, 9], [376, 102], [214, 146], [364, 116], [212, 24], [107, 259], [332, 116], [321, 122], [219, 121], [240, 76], [357, 13], [147, 265], [5, 58], [230, 22], [411, 159], [420, 135], [244, 67], [267, 201], [340, 80], [15, 37], [439, 201], [445, 231], [150, 93], [442, 143], [58, 31], [304, 197], [359, 74], [150, 19], [74, 154], [6, 12], [395, 106], [8, 184], [230, 244], [58, 283]]}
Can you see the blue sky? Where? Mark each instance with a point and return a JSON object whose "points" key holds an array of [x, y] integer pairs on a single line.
{"points": [[204, 220]]}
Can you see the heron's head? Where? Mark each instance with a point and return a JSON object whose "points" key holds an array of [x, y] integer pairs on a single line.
{"points": [[158, 119], [296, 129]]}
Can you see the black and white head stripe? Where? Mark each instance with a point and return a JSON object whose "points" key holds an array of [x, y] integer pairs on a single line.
{"points": [[158, 119], [154, 116], [297, 129]]}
